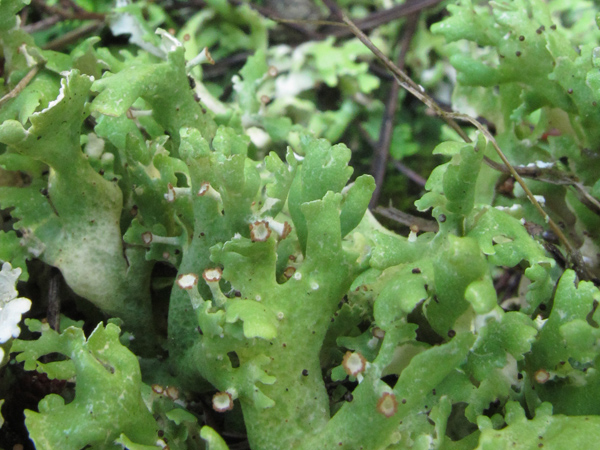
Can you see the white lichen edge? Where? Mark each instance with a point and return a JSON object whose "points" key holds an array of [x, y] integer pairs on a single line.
{"points": [[11, 306]]}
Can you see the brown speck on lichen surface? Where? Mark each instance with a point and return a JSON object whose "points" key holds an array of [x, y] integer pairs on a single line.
{"points": [[222, 401], [387, 404]]}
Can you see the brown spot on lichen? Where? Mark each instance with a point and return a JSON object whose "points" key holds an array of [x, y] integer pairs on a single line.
{"points": [[354, 363], [222, 401], [541, 376], [387, 404], [259, 231], [187, 281], [212, 275]]}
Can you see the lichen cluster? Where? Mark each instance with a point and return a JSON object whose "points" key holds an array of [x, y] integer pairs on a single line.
{"points": [[287, 299]]}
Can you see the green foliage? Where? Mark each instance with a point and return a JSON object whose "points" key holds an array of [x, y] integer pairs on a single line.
{"points": [[535, 77], [254, 274], [75, 226], [553, 431], [107, 399]]}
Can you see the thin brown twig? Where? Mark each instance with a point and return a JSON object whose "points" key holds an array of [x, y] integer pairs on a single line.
{"points": [[552, 176], [384, 16], [78, 14], [366, 136], [43, 24], [381, 72], [546, 175], [24, 14], [182, 4], [381, 154], [224, 64], [53, 312], [20, 85], [296, 25], [73, 35], [451, 117], [74, 5], [586, 198], [405, 170], [334, 9], [409, 173], [273, 15], [407, 219], [309, 21]]}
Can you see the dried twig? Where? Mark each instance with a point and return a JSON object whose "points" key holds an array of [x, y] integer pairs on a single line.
{"points": [[20, 85], [296, 25], [407, 219], [273, 15], [409, 173], [552, 176], [77, 13], [224, 64], [74, 5], [586, 198], [43, 24], [53, 313], [382, 151], [73, 35], [334, 9], [384, 16]]}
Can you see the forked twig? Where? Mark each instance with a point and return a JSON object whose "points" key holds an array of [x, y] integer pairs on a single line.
{"points": [[451, 119]]}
